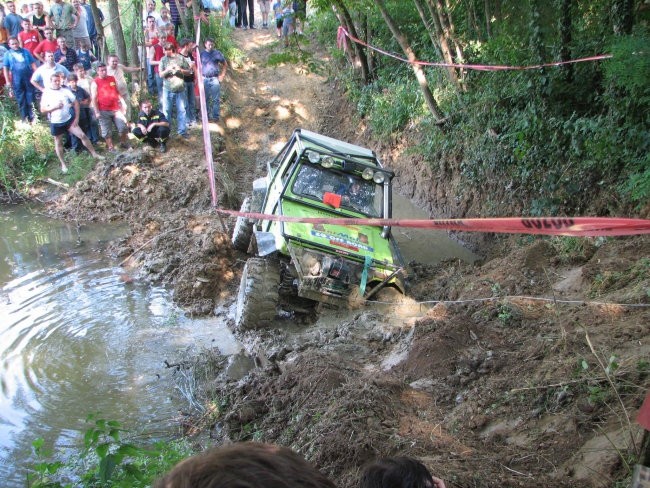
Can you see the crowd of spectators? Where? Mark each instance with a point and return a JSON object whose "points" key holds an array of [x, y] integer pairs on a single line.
{"points": [[43, 52]]}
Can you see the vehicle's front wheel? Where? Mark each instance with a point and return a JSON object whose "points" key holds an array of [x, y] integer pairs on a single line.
{"points": [[257, 300], [243, 231]]}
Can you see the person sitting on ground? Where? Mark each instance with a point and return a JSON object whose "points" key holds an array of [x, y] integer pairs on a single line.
{"points": [[57, 103], [398, 472], [152, 126], [245, 465]]}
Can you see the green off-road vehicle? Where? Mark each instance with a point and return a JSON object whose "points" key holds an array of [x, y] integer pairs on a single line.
{"points": [[316, 176]]}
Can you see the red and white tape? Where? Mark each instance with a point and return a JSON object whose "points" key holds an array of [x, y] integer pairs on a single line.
{"points": [[557, 226]]}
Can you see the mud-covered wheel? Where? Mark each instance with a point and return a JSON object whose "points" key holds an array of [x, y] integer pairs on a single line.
{"points": [[243, 231], [257, 300]]}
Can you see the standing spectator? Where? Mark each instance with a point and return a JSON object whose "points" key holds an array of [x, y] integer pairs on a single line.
{"points": [[213, 67], [12, 21], [187, 46], [150, 38], [90, 25], [57, 103], [41, 77], [300, 9], [63, 20], [20, 64], [287, 23], [232, 12], [109, 107], [152, 126], [165, 19], [40, 20], [64, 54], [84, 82], [173, 68], [248, 21], [118, 71], [277, 10], [157, 54], [174, 6], [83, 98], [46, 45], [85, 56], [4, 35], [29, 38], [80, 29], [264, 9], [151, 12]]}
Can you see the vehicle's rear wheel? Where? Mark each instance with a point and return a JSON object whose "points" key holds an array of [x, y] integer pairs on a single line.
{"points": [[257, 300], [243, 231]]}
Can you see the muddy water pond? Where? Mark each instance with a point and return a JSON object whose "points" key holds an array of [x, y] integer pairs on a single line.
{"points": [[78, 336]]}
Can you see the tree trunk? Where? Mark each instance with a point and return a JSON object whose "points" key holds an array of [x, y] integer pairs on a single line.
{"points": [[137, 35], [622, 16], [441, 40], [101, 37], [410, 54], [488, 18], [348, 23], [183, 14], [116, 31]]}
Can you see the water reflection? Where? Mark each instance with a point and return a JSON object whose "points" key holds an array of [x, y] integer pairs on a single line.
{"points": [[75, 338]]}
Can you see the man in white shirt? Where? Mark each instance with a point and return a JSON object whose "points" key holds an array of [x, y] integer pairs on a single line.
{"points": [[56, 102]]}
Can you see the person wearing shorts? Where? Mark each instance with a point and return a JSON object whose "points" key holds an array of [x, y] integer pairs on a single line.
{"points": [[109, 107], [57, 103], [265, 8]]}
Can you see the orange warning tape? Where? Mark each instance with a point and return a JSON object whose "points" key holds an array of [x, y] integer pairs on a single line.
{"points": [[558, 226]]}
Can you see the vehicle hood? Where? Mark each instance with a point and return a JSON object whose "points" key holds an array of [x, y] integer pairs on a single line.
{"points": [[358, 240]]}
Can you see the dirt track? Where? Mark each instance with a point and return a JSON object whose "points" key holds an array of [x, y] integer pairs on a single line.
{"points": [[505, 392]]}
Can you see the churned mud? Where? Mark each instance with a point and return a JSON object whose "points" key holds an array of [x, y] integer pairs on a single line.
{"points": [[475, 375]]}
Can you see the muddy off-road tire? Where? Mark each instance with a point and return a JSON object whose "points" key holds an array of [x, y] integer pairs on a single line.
{"points": [[257, 299], [243, 231]]}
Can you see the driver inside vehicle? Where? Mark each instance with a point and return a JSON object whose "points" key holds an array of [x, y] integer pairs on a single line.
{"points": [[357, 197]]}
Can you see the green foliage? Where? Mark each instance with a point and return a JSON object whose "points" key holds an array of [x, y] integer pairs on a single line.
{"points": [[25, 150], [106, 460], [556, 140]]}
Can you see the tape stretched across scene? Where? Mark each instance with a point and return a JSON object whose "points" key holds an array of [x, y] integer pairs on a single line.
{"points": [[554, 226], [342, 33]]}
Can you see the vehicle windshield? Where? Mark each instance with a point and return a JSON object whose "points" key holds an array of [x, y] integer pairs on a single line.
{"points": [[340, 190]]}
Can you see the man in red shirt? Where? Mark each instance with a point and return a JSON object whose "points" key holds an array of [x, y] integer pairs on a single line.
{"points": [[28, 37], [46, 45], [109, 107]]}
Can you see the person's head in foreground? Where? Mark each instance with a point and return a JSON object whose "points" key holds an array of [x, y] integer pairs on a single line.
{"points": [[245, 465], [398, 472]]}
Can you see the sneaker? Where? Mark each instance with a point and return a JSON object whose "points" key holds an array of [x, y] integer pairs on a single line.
{"points": [[99, 157], [185, 136], [163, 147], [252, 27]]}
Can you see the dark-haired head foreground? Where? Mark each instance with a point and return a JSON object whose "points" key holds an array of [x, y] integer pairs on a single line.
{"points": [[398, 472], [245, 465]]}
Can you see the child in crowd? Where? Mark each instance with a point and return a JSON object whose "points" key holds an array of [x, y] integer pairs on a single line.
{"points": [[84, 82], [83, 97], [85, 56]]}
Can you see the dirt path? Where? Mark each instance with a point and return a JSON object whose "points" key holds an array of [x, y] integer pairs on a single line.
{"points": [[490, 389]]}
